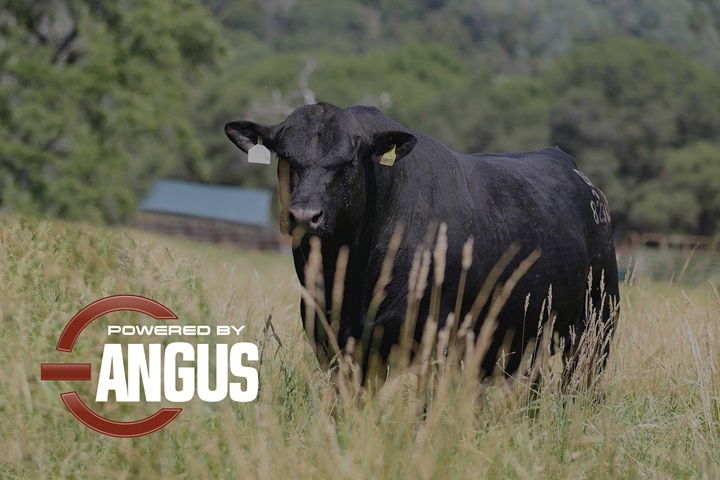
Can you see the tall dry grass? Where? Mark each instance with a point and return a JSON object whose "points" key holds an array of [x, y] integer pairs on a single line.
{"points": [[659, 417]]}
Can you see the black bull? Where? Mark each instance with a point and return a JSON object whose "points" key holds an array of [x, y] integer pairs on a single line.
{"points": [[342, 191]]}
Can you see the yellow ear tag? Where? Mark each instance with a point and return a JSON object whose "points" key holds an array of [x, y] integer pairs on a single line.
{"points": [[388, 158]]}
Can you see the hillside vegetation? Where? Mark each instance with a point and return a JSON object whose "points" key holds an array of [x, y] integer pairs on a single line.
{"points": [[98, 99], [660, 416]]}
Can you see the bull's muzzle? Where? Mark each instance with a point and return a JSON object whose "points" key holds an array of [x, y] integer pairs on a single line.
{"points": [[311, 219]]}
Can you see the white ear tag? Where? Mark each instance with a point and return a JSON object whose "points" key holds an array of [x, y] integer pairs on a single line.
{"points": [[259, 153]]}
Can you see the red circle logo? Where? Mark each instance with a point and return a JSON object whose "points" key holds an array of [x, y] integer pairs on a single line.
{"points": [[81, 371]]}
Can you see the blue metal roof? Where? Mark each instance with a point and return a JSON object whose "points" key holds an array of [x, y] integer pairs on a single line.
{"points": [[217, 202]]}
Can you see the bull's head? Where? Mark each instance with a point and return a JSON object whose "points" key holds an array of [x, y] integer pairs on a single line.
{"points": [[323, 152]]}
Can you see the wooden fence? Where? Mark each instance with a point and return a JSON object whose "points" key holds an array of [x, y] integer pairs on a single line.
{"points": [[684, 259], [213, 231]]}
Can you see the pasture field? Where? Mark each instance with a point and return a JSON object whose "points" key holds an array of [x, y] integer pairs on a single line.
{"points": [[659, 418]]}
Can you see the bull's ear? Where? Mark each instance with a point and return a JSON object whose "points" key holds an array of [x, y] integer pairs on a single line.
{"points": [[245, 134], [390, 147]]}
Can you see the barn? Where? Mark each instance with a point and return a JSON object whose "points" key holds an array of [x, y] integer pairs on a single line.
{"points": [[209, 213]]}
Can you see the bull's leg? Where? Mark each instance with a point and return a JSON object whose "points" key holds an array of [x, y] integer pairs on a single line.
{"points": [[380, 346], [317, 337]]}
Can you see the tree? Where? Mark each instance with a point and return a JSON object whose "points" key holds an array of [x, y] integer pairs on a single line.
{"points": [[686, 196], [309, 24], [93, 101], [695, 171], [622, 107], [625, 87], [402, 82]]}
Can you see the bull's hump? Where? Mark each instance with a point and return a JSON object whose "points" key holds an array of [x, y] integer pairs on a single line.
{"points": [[374, 120]]}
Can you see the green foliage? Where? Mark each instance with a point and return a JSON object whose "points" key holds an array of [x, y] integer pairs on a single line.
{"points": [[310, 23], [100, 98], [410, 76], [490, 114], [93, 101], [407, 77], [656, 208], [512, 35], [623, 108], [617, 84], [240, 15], [694, 171]]}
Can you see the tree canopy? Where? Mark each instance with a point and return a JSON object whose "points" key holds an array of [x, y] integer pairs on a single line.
{"points": [[100, 98], [93, 100]]}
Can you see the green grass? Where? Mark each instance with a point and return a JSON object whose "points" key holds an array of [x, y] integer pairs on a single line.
{"points": [[660, 417]]}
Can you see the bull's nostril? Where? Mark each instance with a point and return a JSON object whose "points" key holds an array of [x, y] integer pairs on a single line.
{"points": [[310, 218]]}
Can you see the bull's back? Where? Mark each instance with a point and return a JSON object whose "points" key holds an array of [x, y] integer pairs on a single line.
{"points": [[542, 191]]}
